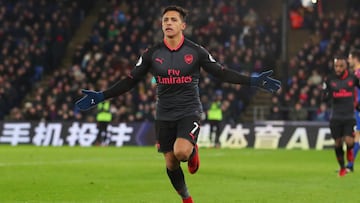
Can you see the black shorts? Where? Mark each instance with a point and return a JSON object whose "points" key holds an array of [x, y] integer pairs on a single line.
{"points": [[167, 132], [341, 128]]}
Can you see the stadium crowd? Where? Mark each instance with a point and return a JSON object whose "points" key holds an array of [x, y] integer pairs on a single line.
{"points": [[231, 30], [34, 34], [331, 35], [33, 38]]}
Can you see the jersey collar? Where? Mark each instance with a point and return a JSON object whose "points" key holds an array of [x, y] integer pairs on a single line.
{"points": [[344, 75], [177, 47]]}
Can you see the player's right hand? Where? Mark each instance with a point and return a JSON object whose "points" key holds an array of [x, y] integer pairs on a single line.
{"points": [[91, 99]]}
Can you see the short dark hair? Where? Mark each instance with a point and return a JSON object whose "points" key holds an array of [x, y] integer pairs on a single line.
{"points": [[340, 57], [355, 53], [183, 12]]}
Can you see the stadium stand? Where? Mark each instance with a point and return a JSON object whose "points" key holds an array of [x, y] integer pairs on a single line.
{"points": [[232, 30], [331, 34], [33, 37]]}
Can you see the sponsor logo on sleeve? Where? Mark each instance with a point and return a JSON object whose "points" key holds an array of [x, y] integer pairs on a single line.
{"points": [[139, 62], [211, 58]]}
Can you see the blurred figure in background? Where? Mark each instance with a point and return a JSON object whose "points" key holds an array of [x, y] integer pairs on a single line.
{"points": [[214, 117], [275, 114], [339, 90], [103, 118], [354, 62], [322, 113], [298, 113]]}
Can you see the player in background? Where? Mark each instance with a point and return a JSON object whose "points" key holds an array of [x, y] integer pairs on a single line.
{"points": [[338, 89], [354, 62], [175, 63]]}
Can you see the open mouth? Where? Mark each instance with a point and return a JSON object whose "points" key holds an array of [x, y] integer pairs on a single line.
{"points": [[168, 29]]}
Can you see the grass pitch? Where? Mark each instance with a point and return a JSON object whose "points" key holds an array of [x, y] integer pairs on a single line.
{"points": [[137, 175]]}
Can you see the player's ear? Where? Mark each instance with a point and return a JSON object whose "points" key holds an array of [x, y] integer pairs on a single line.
{"points": [[183, 26]]}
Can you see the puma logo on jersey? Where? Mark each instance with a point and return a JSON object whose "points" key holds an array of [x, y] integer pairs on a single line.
{"points": [[159, 60]]}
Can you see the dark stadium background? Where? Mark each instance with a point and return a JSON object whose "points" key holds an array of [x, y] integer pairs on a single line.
{"points": [[50, 50]]}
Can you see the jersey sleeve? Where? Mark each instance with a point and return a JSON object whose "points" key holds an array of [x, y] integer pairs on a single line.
{"points": [[137, 73], [210, 65], [141, 67]]}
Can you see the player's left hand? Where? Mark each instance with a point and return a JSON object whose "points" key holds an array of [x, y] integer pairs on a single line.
{"points": [[264, 81]]}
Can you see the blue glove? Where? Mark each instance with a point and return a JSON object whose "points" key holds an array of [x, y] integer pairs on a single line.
{"points": [[264, 81], [90, 100]]}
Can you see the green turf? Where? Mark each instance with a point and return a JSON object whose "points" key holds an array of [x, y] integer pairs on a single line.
{"points": [[137, 175]]}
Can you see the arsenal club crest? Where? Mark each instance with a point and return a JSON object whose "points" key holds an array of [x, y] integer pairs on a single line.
{"points": [[188, 58]]}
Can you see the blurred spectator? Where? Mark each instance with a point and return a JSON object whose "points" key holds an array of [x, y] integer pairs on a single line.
{"points": [[215, 117], [30, 112], [103, 119], [322, 113], [314, 79], [251, 18], [298, 113], [296, 19], [275, 114]]}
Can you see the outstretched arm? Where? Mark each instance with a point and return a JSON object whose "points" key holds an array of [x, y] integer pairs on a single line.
{"points": [[263, 80], [92, 98], [120, 88]]}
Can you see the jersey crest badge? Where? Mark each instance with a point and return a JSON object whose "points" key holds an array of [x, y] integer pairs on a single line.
{"points": [[188, 58]]}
